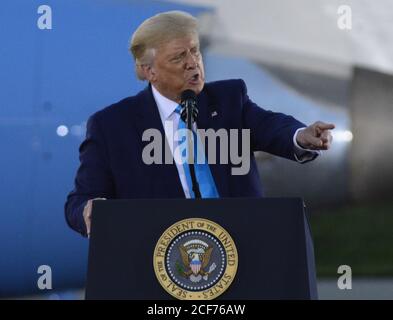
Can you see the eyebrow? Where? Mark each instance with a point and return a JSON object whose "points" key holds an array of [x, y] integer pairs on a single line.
{"points": [[177, 52], [181, 51], [174, 55]]}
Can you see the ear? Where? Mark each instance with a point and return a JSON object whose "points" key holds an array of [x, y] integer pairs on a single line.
{"points": [[147, 71]]}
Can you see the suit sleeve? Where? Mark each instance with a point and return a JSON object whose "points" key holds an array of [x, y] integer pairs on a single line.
{"points": [[93, 178], [271, 132]]}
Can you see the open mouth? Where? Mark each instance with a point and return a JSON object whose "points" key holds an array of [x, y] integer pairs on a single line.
{"points": [[195, 78]]}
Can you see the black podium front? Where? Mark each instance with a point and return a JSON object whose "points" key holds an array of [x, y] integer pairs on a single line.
{"points": [[272, 237]]}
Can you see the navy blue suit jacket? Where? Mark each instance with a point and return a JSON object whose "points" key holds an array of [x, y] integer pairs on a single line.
{"points": [[111, 163]]}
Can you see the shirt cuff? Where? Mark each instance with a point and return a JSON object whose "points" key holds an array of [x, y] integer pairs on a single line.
{"points": [[301, 154]]}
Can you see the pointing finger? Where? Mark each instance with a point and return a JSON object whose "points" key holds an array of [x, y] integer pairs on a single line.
{"points": [[324, 126]]}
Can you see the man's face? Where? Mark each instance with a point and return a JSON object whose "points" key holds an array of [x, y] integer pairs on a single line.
{"points": [[178, 66]]}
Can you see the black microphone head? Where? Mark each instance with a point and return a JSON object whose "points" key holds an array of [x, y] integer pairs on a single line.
{"points": [[188, 102], [188, 95]]}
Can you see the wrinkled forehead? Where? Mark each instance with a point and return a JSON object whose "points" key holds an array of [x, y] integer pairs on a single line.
{"points": [[175, 45]]}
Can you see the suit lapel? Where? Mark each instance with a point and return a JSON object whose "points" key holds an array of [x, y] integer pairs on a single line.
{"points": [[209, 116], [148, 117]]}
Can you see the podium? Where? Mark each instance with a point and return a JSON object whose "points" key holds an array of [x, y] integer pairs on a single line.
{"points": [[274, 250]]}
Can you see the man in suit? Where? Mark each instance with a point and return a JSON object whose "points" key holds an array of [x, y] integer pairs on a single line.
{"points": [[166, 52]]}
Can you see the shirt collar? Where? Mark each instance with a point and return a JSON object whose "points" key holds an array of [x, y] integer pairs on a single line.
{"points": [[165, 106]]}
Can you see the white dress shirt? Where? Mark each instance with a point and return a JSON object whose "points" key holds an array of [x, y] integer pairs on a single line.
{"points": [[167, 107], [167, 112]]}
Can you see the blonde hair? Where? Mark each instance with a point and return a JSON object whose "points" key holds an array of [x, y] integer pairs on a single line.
{"points": [[156, 30]]}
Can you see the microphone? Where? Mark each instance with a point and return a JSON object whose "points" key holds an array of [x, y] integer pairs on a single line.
{"points": [[189, 112]]}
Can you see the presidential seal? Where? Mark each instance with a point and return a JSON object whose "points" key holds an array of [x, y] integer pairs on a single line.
{"points": [[195, 259]]}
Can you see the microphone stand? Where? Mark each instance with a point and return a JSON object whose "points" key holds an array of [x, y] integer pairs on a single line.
{"points": [[191, 117]]}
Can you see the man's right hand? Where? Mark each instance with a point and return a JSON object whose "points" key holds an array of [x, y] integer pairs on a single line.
{"points": [[87, 214]]}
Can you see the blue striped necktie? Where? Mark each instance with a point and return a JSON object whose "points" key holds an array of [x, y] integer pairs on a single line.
{"points": [[203, 174]]}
